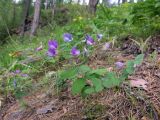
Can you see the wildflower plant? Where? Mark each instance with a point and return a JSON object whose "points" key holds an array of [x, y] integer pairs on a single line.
{"points": [[17, 82], [75, 52], [84, 79], [87, 81]]}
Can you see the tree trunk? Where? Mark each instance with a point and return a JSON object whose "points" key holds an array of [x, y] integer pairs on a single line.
{"points": [[46, 4], [140, 0], [123, 1], [25, 15], [93, 6], [14, 13], [36, 17], [84, 2], [106, 2], [131, 1], [119, 2], [79, 1], [53, 6], [58, 2], [70, 1]]}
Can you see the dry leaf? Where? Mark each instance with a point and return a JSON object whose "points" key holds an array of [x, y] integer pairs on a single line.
{"points": [[110, 69], [139, 83], [64, 110], [46, 109], [144, 118]]}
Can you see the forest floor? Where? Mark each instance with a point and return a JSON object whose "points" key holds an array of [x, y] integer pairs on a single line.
{"points": [[138, 101]]}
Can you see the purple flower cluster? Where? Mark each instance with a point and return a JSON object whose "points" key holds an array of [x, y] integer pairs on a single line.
{"points": [[75, 51], [52, 48], [106, 46], [15, 83], [99, 36], [119, 65], [19, 73], [89, 40], [67, 37]]}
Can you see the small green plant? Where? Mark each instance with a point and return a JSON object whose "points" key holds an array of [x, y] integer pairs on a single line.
{"points": [[142, 44], [153, 56], [87, 81]]}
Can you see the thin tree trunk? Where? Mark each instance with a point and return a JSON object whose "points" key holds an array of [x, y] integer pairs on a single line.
{"points": [[131, 1], [140, 0], [119, 2], [36, 17], [14, 13], [106, 2], [25, 15], [53, 6], [79, 1], [123, 1], [93, 6], [84, 2], [70, 1], [46, 4]]}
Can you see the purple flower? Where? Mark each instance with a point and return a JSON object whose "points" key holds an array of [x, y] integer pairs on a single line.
{"points": [[24, 75], [75, 52], [67, 37], [99, 37], [15, 83], [17, 71], [53, 44], [106, 46], [89, 40], [119, 65], [51, 52]]}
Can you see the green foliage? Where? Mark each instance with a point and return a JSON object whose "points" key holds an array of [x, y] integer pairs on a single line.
{"points": [[68, 74], [146, 15], [130, 67], [98, 71], [87, 81], [138, 60], [10, 17], [111, 80], [80, 83], [97, 83]]}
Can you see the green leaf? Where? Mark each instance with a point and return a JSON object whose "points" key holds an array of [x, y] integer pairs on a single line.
{"points": [[89, 90], [139, 59], [97, 84], [68, 74], [157, 5], [84, 69], [130, 67], [19, 94], [99, 71], [124, 75], [78, 85], [110, 80]]}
